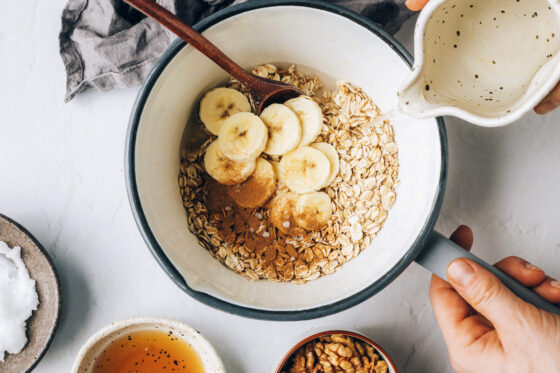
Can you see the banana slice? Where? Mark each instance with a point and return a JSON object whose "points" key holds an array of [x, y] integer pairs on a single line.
{"points": [[304, 170], [313, 211], [257, 189], [332, 155], [282, 213], [276, 166], [284, 129], [310, 116], [219, 104], [242, 137], [224, 170]]}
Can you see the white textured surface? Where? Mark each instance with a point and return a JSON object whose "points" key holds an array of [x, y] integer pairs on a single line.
{"points": [[61, 176]]}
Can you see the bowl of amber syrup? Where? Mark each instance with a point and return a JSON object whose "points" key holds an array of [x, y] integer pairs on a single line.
{"points": [[147, 344]]}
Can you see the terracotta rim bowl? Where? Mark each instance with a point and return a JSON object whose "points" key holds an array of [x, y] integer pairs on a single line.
{"points": [[378, 349]]}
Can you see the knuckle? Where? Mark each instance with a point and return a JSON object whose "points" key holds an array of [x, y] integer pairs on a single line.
{"points": [[513, 258], [484, 293], [511, 261]]}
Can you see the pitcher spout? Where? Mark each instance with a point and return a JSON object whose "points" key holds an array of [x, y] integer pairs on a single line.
{"points": [[478, 73], [412, 100]]}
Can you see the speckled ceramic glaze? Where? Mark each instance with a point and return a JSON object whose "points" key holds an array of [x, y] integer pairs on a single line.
{"points": [[378, 349], [100, 340], [488, 62]]}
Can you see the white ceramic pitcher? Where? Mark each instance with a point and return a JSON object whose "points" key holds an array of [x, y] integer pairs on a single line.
{"points": [[486, 61]]}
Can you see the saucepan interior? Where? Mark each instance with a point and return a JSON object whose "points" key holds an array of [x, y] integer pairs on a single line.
{"points": [[340, 46]]}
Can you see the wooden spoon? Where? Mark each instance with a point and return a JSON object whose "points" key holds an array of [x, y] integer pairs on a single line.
{"points": [[263, 91]]}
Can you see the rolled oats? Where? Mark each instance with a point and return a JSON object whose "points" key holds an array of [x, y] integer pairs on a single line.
{"points": [[362, 194]]}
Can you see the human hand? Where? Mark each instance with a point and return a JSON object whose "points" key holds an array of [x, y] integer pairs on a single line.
{"points": [[489, 329]]}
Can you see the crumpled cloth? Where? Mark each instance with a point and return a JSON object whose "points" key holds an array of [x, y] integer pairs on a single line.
{"points": [[106, 44]]}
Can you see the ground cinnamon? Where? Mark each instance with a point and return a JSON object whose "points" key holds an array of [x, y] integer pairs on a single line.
{"points": [[257, 189], [235, 222]]}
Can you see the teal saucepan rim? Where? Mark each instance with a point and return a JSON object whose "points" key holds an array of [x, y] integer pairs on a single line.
{"points": [[148, 235]]}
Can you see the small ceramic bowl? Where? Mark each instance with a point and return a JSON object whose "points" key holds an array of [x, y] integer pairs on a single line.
{"points": [[384, 356], [42, 325], [99, 341]]}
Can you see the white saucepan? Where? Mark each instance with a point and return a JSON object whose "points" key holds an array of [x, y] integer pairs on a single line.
{"points": [[340, 45]]}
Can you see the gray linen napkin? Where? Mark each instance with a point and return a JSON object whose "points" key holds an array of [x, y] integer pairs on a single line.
{"points": [[106, 44]]}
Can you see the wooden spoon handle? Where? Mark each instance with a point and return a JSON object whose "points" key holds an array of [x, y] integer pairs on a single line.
{"points": [[185, 32]]}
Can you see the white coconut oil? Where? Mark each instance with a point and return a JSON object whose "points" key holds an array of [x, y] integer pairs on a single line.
{"points": [[18, 300]]}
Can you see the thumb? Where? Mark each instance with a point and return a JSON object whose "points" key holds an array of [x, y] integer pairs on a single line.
{"points": [[483, 291]]}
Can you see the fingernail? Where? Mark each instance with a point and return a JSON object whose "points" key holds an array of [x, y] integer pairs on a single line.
{"points": [[545, 107], [411, 5], [532, 266], [461, 272], [555, 284]]}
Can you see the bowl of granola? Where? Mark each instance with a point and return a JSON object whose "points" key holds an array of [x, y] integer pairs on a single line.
{"points": [[310, 207], [336, 351]]}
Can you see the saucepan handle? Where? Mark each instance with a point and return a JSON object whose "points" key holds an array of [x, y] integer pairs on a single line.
{"points": [[439, 252]]}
